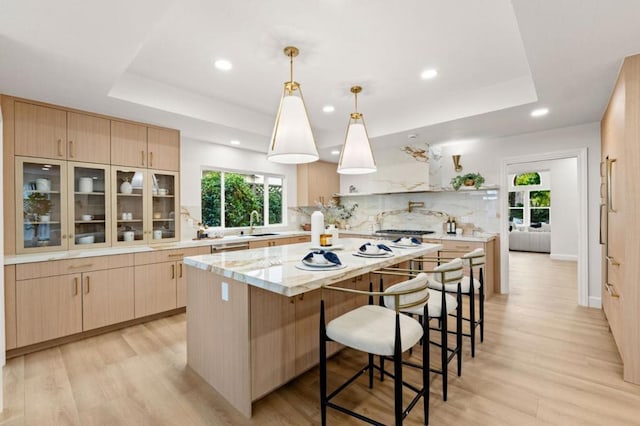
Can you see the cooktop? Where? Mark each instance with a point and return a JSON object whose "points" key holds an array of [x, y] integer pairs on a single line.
{"points": [[405, 231]]}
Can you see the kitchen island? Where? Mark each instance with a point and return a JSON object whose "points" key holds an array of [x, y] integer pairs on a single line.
{"points": [[253, 316]]}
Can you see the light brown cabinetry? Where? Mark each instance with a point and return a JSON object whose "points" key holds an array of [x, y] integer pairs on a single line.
{"points": [[47, 132], [163, 146], [160, 278], [55, 211], [60, 298], [135, 145], [40, 131], [620, 228], [88, 138], [145, 208], [279, 241], [48, 308], [10, 306], [317, 183]]}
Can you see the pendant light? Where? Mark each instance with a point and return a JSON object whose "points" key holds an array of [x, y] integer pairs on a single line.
{"points": [[356, 157], [292, 141]]}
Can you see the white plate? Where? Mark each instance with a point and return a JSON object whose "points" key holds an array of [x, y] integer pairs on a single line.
{"points": [[318, 265], [316, 269], [373, 256], [396, 245], [328, 248]]}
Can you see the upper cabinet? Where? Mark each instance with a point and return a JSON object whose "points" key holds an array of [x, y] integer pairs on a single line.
{"points": [[128, 144], [134, 145], [164, 149], [47, 132], [88, 138], [317, 183], [40, 131]]}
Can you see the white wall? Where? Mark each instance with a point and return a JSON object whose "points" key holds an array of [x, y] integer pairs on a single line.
{"points": [[196, 156], [564, 209], [486, 157]]}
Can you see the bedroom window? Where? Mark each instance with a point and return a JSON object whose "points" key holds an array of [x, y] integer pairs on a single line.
{"points": [[228, 198]]}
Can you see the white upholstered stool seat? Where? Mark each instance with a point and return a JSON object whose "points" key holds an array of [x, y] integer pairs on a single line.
{"points": [[371, 329], [435, 305]]}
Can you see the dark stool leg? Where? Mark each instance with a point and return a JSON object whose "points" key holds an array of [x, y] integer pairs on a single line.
{"points": [[481, 305], [444, 347], [397, 366], [426, 362], [459, 331], [370, 371], [472, 315], [323, 367]]}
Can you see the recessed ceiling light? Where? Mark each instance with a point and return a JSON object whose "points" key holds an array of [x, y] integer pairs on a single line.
{"points": [[335, 152], [234, 142], [223, 65], [539, 112], [428, 74], [328, 108]]}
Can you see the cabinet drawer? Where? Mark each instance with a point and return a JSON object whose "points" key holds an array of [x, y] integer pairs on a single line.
{"points": [[171, 255], [300, 239], [71, 266], [461, 246]]}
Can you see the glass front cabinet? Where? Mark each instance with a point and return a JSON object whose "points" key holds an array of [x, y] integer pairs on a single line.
{"points": [[61, 205], [144, 203]]}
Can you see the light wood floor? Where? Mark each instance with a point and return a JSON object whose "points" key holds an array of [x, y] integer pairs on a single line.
{"points": [[544, 361]]}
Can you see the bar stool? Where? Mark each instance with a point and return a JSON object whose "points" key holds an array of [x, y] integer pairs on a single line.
{"points": [[377, 330], [451, 274], [475, 260]]}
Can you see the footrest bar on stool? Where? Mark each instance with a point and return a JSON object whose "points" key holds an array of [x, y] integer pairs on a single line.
{"points": [[348, 382], [354, 414]]}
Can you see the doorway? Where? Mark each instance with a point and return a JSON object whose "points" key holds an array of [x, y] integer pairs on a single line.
{"points": [[521, 163]]}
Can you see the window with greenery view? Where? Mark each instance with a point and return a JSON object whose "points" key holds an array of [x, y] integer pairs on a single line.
{"points": [[228, 199], [529, 206]]}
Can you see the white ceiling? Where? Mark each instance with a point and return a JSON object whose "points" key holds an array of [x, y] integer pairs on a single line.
{"points": [[151, 60]]}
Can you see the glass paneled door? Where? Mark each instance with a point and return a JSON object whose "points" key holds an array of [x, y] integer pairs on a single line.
{"points": [[129, 205], [89, 213], [40, 204], [164, 202]]}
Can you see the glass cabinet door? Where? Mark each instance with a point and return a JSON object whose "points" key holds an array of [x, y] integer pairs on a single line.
{"points": [[129, 205], [164, 203], [89, 213], [41, 205]]}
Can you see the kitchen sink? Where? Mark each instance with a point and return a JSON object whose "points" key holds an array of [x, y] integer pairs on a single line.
{"points": [[266, 234]]}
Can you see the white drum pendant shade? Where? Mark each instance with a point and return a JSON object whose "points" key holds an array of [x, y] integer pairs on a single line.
{"points": [[356, 157], [292, 140]]}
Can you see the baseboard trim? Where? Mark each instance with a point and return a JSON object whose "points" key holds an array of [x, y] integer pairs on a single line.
{"points": [[567, 257], [595, 302]]}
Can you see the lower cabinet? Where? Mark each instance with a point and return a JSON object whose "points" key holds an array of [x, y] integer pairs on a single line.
{"points": [[48, 308], [155, 288], [107, 297]]}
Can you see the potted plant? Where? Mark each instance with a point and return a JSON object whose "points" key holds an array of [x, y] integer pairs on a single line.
{"points": [[469, 179]]}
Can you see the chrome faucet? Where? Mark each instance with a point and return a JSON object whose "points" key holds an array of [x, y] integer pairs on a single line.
{"points": [[251, 220], [413, 204]]}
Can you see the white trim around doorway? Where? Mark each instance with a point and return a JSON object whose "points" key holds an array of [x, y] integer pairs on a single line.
{"points": [[583, 228]]}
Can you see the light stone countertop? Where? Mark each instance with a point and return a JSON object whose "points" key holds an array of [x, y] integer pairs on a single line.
{"points": [[273, 268], [108, 251], [481, 238]]}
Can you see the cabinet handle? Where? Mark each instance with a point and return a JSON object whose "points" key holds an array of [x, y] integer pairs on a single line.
{"points": [[612, 261], [75, 286], [71, 236], [88, 285], [150, 159], [60, 147], [86, 265], [176, 255], [173, 271], [71, 149], [180, 264], [463, 247], [301, 297], [609, 289], [142, 157], [610, 186]]}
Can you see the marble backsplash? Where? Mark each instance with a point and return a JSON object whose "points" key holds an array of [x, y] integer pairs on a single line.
{"points": [[385, 211], [388, 211]]}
